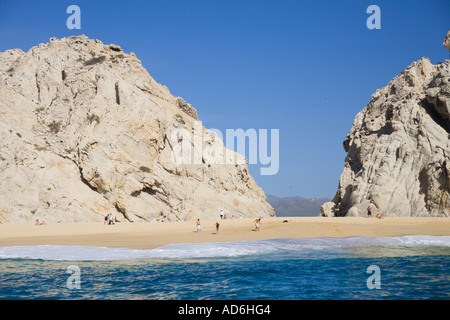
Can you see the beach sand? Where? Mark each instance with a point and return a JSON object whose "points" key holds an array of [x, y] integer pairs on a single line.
{"points": [[155, 234]]}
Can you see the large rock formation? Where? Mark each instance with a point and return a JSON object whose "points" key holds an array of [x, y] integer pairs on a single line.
{"points": [[86, 131], [398, 149]]}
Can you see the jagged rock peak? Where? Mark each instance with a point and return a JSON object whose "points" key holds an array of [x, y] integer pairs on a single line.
{"points": [[74, 55]]}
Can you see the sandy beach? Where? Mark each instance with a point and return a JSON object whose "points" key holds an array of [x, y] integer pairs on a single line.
{"points": [[152, 235]]}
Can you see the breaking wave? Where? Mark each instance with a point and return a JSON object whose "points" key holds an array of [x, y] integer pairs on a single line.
{"points": [[225, 249]]}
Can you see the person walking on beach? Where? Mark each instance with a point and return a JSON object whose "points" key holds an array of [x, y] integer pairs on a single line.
{"points": [[217, 227], [257, 223], [369, 212], [199, 227], [221, 214]]}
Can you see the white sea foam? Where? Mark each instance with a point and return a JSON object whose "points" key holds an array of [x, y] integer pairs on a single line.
{"points": [[217, 249]]}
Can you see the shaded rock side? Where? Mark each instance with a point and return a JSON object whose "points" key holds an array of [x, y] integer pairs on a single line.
{"points": [[86, 131]]}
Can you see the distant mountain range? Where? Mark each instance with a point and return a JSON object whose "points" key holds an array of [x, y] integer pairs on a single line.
{"points": [[296, 206]]}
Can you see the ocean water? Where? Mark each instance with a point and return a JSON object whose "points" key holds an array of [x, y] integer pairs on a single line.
{"points": [[356, 268]]}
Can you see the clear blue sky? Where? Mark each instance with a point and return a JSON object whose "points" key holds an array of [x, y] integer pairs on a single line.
{"points": [[303, 67]]}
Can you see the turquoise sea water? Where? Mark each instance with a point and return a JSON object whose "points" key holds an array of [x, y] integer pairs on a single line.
{"points": [[411, 267]]}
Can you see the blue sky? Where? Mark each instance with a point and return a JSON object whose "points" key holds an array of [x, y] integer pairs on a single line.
{"points": [[303, 67]]}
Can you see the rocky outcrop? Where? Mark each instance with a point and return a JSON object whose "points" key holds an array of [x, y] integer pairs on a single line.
{"points": [[328, 209], [447, 41], [86, 131], [398, 150]]}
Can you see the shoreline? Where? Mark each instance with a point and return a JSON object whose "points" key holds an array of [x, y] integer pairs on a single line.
{"points": [[150, 235]]}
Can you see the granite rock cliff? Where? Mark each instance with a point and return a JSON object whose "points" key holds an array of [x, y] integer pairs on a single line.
{"points": [[86, 131], [398, 149]]}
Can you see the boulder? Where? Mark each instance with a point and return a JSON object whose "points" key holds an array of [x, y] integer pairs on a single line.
{"points": [[328, 209]]}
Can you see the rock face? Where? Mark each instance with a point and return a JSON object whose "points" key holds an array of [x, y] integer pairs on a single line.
{"points": [[398, 150], [447, 41], [86, 131]]}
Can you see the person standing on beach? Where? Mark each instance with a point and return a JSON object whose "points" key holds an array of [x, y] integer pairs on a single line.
{"points": [[217, 227], [199, 227], [111, 219], [257, 223], [369, 212], [221, 214]]}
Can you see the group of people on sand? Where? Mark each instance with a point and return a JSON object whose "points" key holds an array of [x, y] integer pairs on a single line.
{"points": [[109, 219], [257, 223], [369, 213], [224, 216], [199, 226]]}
